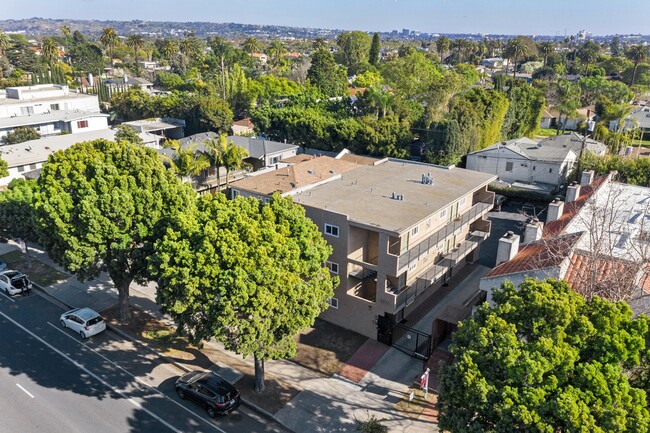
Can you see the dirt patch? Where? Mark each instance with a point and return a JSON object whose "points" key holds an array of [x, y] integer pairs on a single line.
{"points": [[414, 408], [324, 347], [38, 272], [164, 339]]}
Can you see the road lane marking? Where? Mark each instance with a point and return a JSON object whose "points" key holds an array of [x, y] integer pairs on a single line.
{"points": [[24, 390], [156, 390], [3, 294], [90, 373]]}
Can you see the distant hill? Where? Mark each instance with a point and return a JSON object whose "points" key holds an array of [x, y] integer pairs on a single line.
{"points": [[46, 26]]}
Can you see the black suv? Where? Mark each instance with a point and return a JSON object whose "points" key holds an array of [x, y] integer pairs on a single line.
{"points": [[210, 390]]}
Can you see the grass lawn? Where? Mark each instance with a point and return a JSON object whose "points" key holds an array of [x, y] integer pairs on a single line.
{"points": [[542, 133], [41, 274]]}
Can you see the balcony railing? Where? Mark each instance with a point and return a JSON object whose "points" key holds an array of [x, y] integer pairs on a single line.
{"points": [[407, 294], [424, 246]]}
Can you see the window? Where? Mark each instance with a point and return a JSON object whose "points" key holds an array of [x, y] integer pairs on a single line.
{"points": [[333, 267], [54, 107], [508, 166], [443, 213], [26, 111], [32, 166], [21, 168], [82, 124], [235, 193], [334, 303], [332, 230], [274, 160], [415, 230]]}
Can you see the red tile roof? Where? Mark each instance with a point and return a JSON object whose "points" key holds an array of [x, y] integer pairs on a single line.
{"points": [[558, 226], [542, 254], [607, 273]]}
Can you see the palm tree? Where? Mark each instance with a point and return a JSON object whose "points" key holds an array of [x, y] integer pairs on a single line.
{"points": [[251, 45], [215, 151], [233, 159], [186, 162], [588, 54], [442, 44], [222, 49], [135, 42], [637, 54], [516, 49], [109, 39], [169, 48], [49, 51], [5, 43], [66, 31], [277, 50], [546, 49]]}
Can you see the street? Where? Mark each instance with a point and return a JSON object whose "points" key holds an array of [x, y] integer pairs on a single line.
{"points": [[51, 380]]}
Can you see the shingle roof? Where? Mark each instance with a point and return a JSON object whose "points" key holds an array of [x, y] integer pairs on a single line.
{"points": [[542, 254]]}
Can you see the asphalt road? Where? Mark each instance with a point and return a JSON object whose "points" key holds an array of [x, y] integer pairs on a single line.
{"points": [[52, 381]]}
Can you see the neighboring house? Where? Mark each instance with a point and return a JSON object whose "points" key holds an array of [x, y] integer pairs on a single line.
{"points": [[399, 229], [56, 122], [50, 108], [243, 127], [163, 127], [23, 158], [494, 62], [260, 57], [133, 82], [261, 154], [551, 117], [546, 162], [639, 118], [598, 241]]}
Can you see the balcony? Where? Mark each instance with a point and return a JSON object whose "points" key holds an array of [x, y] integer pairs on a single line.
{"points": [[404, 296], [480, 207]]}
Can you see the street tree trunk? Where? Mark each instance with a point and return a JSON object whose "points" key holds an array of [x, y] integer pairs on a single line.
{"points": [[122, 283], [259, 374]]}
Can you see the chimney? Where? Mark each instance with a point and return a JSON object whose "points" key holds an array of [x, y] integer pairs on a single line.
{"points": [[534, 230], [572, 192], [587, 178], [508, 247], [555, 210]]}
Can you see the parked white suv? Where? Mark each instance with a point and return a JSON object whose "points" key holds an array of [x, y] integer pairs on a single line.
{"points": [[14, 282], [85, 321]]}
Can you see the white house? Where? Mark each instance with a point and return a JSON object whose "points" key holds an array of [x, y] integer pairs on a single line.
{"points": [[50, 109], [547, 162]]}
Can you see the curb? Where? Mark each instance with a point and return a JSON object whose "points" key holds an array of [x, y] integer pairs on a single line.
{"points": [[42, 292]]}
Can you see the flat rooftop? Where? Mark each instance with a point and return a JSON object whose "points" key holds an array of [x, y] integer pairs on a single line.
{"points": [[365, 192], [69, 96], [54, 116]]}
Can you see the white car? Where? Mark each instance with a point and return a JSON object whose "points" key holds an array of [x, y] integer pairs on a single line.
{"points": [[85, 321], [14, 282]]}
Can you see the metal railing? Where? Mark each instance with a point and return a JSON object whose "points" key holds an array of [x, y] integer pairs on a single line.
{"points": [[424, 246]]}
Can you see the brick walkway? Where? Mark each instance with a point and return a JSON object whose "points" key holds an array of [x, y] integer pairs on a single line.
{"points": [[362, 360]]}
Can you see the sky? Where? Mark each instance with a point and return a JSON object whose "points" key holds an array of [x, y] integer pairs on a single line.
{"points": [[525, 17]]}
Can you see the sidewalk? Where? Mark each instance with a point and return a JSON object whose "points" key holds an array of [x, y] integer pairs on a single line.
{"points": [[375, 379]]}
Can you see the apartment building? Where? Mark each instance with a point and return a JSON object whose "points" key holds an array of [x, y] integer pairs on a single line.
{"points": [[51, 109], [399, 229]]}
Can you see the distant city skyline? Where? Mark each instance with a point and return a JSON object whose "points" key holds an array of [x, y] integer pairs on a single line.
{"points": [[552, 17]]}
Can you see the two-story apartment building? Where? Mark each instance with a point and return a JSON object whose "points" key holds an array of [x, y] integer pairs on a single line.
{"points": [[399, 229], [51, 109]]}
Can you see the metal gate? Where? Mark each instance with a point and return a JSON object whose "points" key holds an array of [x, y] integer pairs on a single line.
{"points": [[408, 340]]}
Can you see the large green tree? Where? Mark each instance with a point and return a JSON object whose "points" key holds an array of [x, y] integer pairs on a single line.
{"points": [[17, 210], [4, 168], [636, 54], [20, 135], [354, 48], [246, 273], [544, 359], [375, 48], [326, 75], [102, 205]]}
